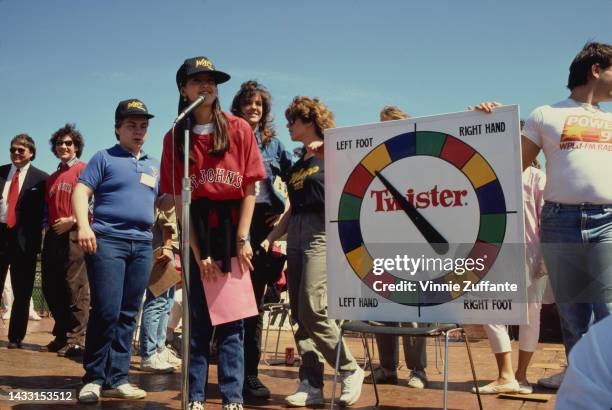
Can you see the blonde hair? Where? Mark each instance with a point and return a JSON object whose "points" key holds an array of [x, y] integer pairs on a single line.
{"points": [[311, 110], [392, 112]]}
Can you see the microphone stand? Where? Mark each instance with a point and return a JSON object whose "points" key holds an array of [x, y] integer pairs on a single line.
{"points": [[185, 247]]}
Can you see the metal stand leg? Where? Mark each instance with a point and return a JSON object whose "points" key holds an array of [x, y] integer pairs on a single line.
{"points": [[374, 349], [278, 334], [467, 345], [438, 352], [338, 350], [273, 314], [369, 361], [265, 346], [445, 370]]}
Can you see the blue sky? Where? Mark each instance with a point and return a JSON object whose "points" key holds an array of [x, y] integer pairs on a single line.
{"points": [[74, 60]]}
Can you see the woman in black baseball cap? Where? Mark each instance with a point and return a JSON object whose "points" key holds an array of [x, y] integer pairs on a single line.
{"points": [[224, 165], [202, 71]]}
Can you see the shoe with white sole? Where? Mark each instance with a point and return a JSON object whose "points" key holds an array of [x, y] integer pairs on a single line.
{"points": [[169, 356], [125, 391], [305, 395], [155, 364], [90, 393], [417, 379], [351, 387], [35, 316], [232, 406], [196, 405], [525, 388], [491, 388]]}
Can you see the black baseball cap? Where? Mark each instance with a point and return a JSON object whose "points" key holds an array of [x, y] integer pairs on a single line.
{"points": [[196, 65], [131, 107]]}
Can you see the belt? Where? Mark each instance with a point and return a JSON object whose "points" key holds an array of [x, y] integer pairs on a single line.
{"points": [[585, 206]]}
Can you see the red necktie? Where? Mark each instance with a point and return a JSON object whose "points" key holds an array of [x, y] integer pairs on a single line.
{"points": [[13, 197]]}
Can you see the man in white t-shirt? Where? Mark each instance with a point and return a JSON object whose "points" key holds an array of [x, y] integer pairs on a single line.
{"points": [[576, 223]]}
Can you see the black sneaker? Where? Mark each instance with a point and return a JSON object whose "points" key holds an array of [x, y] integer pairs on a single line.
{"points": [[53, 346], [382, 376], [71, 350], [14, 345], [253, 387]]}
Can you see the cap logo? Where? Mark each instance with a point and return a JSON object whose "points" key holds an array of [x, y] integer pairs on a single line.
{"points": [[136, 104], [202, 62]]}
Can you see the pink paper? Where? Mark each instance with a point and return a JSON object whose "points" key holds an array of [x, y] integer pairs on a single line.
{"points": [[231, 296]]}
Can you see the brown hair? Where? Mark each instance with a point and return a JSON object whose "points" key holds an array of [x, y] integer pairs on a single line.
{"points": [[311, 110], [248, 91], [72, 132], [26, 141], [118, 124], [591, 53], [220, 140], [392, 112]]}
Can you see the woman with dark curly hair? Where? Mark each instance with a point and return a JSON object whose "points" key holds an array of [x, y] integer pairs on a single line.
{"points": [[317, 335], [253, 103]]}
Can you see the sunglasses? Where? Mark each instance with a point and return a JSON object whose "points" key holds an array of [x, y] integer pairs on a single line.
{"points": [[67, 142], [19, 150]]}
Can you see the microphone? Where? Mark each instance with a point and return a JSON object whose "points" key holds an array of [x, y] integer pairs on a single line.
{"points": [[192, 107]]}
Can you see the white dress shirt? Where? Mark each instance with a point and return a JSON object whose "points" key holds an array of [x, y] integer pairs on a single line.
{"points": [[7, 186]]}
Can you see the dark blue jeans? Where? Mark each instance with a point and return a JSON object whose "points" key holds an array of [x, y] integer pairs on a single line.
{"points": [[118, 275], [577, 248], [230, 339]]}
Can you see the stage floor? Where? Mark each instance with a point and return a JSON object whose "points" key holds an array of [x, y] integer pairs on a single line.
{"points": [[28, 369]]}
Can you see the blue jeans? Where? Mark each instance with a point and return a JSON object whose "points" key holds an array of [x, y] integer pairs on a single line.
{"points": [[154, 322], [118, 275], [230, 339], [577, 248]]}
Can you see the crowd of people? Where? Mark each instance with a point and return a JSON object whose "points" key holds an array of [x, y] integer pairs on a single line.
{"points": [[109, 223]]}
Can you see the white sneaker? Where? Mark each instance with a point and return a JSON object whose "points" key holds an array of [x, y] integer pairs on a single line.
{"points": [[90, 393], [169, 356], [34, 316], [417, 379], [492, 388], [305, 395], [351, 387], [525, 388], [155, 364], [552, 382], [125, 391]]}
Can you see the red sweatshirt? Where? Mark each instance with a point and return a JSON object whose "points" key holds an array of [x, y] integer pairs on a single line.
{"points": [[58, 192]]}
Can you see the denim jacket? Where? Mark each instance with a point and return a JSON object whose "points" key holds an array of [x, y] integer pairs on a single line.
{"points": [[277, 163]]}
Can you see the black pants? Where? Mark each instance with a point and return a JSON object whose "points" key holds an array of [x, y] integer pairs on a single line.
{"points": [[23, 271], [65, 286], [253, 325]]}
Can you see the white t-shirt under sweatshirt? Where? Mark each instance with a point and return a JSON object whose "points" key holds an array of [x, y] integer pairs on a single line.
{"points": [[577, 141]]}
